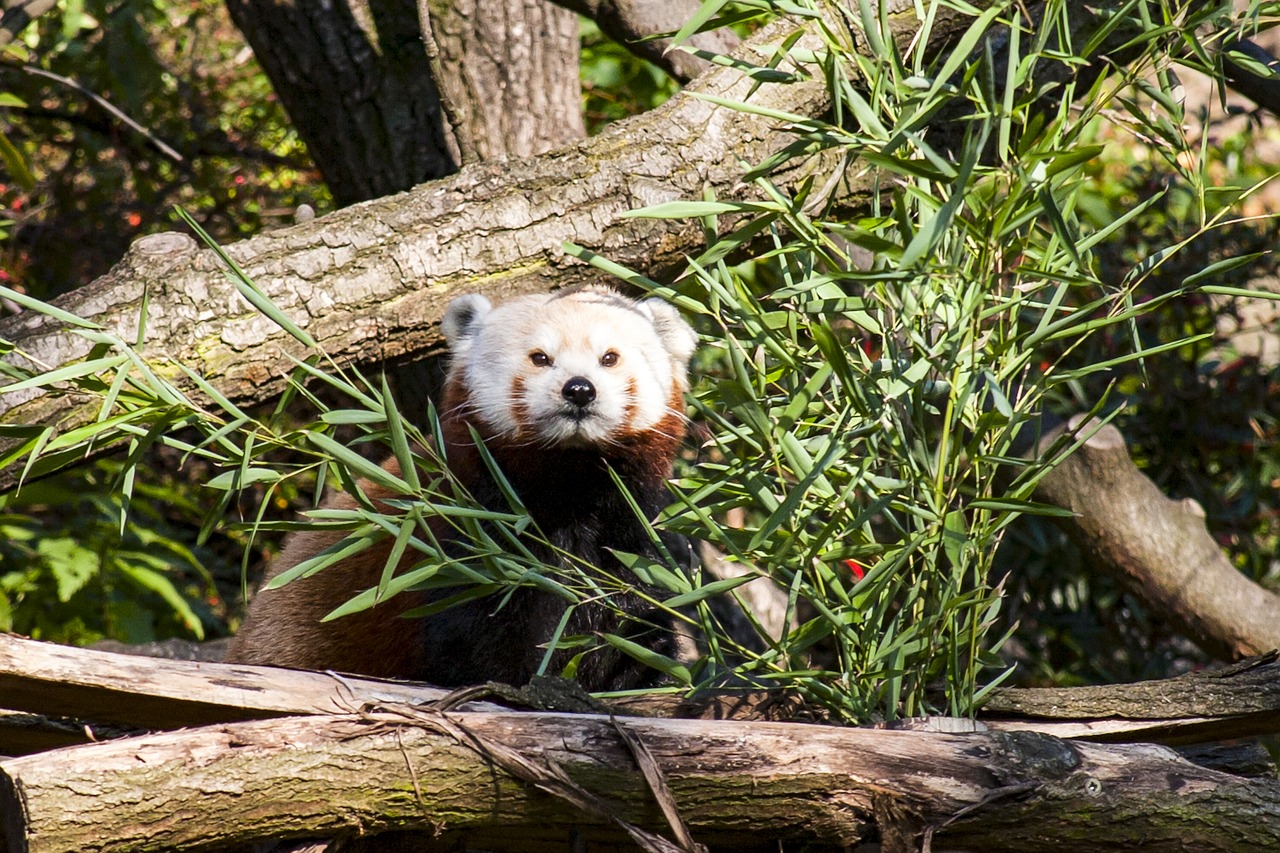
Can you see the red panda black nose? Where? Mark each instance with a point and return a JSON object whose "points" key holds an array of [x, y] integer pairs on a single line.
{"points": [[579, 391]]}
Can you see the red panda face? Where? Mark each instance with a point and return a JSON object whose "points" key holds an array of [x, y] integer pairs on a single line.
{"points": [[585, 368]]}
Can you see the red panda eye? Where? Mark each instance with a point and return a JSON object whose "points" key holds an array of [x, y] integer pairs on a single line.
{"points": [[540, 358], [609, 359]]}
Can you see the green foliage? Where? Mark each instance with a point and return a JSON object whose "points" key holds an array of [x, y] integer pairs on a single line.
{"points": [[615, 82], [79, 562], [869, 419], [866, 417], [209, 135], [1202, 421]]}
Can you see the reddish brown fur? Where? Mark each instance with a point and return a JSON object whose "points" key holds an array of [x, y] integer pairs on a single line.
{"points": [[283, 627]]}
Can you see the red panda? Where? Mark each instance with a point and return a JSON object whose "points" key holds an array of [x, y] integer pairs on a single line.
{"points": [[562, 389]]}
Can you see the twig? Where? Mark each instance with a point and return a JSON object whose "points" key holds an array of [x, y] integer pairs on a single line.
{"points": [[657, 782], [160, 145]]}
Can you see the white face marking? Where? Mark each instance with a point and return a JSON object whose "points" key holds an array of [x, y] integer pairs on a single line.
{"points": [[582, 369]]}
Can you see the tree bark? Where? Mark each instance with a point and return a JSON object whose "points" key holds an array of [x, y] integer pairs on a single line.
{"points": [[508, 72], [511, 775], [66, 695], [356, 82], [105, 687], [1157, 547]]}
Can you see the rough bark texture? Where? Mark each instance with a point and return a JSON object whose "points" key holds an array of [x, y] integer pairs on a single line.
{"points": [[1252, 685], [734, 783], [1218, 704], [508, 73], [1158, 547], [632, 22], [355, 80]]}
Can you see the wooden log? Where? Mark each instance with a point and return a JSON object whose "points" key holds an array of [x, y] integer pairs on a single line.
{"points": [[1249, 686], [732, 783], [151, 693], [110, 691], [1240, 700]]}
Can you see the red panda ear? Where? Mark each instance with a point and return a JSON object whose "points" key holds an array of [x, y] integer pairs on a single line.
{"points": [[676, 335], [461, 318]]}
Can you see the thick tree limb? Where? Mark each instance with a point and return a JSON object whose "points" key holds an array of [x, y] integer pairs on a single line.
{"points": [[1247, 687], [1158, 547], [1220, 704], [632, 22], [105, 687], [735, 784]]}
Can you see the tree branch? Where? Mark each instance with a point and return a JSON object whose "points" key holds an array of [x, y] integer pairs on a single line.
{"points": [[105, 691], [1263, 91], [632, 23], [369, 282], [101, 102], [1157, 547]]}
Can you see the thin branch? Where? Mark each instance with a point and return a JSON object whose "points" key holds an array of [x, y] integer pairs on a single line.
{"points": [[160, 145]]}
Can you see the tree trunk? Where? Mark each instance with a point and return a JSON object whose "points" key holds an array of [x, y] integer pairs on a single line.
{"points": [[521, 780], [368, 84], [508, 71], [355, 80]]}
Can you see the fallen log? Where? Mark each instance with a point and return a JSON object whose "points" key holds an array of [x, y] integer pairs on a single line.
{"points": [[106, 694], [512, 776], [1239, 700], [152, 693]]}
